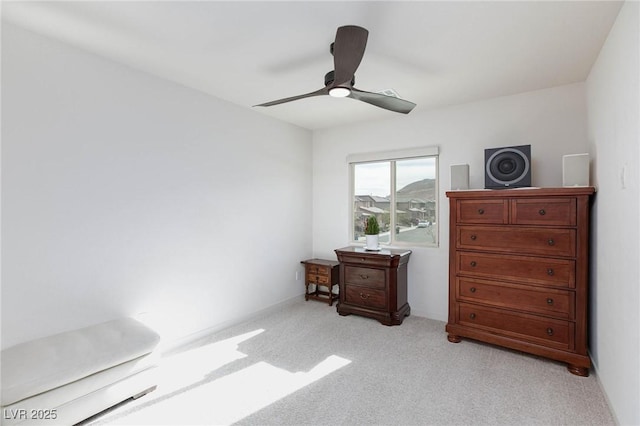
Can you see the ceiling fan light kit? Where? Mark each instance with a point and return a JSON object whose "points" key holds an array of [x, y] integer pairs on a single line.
{"points": [[348, 50], [339, 92]]}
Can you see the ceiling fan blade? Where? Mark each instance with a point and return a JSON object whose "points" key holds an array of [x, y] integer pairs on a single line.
{"points": [[323, 91], [348, 50], [383, 101]]}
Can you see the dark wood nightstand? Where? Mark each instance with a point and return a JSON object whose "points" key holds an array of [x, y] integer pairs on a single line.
{"points": [[321, 273], [374, 284]]}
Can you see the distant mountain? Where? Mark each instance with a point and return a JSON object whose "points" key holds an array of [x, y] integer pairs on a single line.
{"points": [[423, 190]]}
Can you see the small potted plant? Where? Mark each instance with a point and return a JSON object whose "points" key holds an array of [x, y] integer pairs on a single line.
{"points": [[371, 230]]}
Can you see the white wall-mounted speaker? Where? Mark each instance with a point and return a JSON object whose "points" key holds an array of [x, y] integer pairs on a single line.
{"points": [[575, 170], [459, 176]]}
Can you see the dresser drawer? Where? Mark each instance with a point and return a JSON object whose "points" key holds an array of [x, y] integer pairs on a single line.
{"points": [[547, 301], [538, 270], [544, 211], [366, 297], [365, 277], [482, 211], [543, 241], [547, 331]]}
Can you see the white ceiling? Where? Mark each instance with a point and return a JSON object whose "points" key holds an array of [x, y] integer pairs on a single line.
{"points": [[431, 53]]}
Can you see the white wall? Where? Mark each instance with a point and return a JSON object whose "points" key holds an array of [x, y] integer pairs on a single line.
{"points": [[123, 193], [553, 121], [614, 125]]}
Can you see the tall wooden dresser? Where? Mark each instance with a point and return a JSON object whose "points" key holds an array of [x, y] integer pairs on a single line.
{"points": [[518, 270]]}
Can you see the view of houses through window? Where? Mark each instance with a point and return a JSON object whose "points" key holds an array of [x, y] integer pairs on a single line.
{"points": [[407, 215]]}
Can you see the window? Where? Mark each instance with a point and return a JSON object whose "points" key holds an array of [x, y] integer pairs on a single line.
{"points": [[400, 188]]}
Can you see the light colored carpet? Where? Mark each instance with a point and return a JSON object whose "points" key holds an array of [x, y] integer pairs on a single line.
{"points": [[306, 365]]}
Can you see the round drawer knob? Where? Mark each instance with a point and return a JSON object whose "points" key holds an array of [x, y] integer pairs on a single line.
{"points": [[550, 272], [472, 289], [480, 211], [551, 242], [364, 296], [541, 212], [473, 263], [472, 316], [549, 331], [549, 301], [473, 237]]}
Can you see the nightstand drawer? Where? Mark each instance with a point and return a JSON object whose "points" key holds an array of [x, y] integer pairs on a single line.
{"points": [[318, 270], [366, 297], [483, 211], [544, 211], [318, 279], [547, 301], [546, 331], [538, 270], [373, 258], [365, 277], [543, 241]]}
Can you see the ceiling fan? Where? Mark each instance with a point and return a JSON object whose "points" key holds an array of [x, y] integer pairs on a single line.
{"points": [[348, 50]]}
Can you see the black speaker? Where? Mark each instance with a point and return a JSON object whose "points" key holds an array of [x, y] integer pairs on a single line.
{"points": [[508, 167]]}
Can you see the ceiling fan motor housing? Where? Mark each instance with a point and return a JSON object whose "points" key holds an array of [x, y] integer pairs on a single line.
{"points": [[330, 77]]}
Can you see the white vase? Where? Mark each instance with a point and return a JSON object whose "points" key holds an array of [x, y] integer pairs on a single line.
{"points": [[372, 242]]}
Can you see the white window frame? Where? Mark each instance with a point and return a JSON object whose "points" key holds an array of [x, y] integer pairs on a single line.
{"points": [[392, 157]]}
